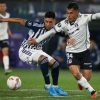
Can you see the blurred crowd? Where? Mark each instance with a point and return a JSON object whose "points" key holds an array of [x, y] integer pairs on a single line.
{"points": [[35, 10]]}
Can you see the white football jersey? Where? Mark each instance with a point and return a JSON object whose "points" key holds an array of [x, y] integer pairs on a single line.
{"points": [[78, 30], [4, 27]]}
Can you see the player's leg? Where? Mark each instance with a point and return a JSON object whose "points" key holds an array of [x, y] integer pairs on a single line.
{"points": [[81, 80], [74, 67], [87, 73], [55, 74], [5, 51], [30, 56], [87, 66], [87, 69], [37, 56], [43, 62]]}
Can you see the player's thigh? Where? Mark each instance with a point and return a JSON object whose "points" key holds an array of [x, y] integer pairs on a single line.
{"points": [[26, 55], [5, 47], [86, 65], [86, 61], [87, 73], [74, 64], [5, 51], [32, 55]]}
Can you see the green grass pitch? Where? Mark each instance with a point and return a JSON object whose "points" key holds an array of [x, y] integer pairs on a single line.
{"points": [[33, 86]]}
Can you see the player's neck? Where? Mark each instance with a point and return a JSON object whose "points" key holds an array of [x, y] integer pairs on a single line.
{"points": [[72, 22]]}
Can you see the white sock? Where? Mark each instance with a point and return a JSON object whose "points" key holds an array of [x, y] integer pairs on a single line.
{"points": [[6, 62], [54, 86], [83, 82], [47, 85]]}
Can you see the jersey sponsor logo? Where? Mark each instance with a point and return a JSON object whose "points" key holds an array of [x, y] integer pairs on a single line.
{"points": [[74, 29]]}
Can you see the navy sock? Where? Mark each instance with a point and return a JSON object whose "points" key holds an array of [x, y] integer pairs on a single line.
{"points": [[45, 71], [55, 74]]}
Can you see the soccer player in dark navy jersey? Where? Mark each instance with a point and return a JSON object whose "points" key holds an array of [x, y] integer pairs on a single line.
{"points": [[33, 53]]}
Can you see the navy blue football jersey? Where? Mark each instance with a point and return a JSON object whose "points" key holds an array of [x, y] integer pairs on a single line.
{"points": [[36, 30]]}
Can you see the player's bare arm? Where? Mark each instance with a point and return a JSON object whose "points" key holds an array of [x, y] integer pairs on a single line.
{"points": [[9, 32], [14, 20]]}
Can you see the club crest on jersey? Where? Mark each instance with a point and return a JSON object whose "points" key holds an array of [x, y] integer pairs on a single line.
{"points": [[59, 25], [29, 23], [66, 21]]}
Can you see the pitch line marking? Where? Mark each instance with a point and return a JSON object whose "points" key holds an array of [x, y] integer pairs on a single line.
{"points": [[47, 96], [41, 90]]}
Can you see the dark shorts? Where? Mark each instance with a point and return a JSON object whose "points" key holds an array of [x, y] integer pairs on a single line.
{"points": [[82, 59], [4, 43]]}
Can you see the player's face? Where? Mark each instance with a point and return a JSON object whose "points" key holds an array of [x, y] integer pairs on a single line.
{"points": [[2, 7], [49, 23], [72, 14]]}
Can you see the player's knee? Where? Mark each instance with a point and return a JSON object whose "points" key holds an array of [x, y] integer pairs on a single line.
{"points": [[42, 59], [5, 52], [51, 62], [55, 64]]}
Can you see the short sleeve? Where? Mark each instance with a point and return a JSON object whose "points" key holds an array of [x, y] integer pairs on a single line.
{"points": [[59, 27], [29, 24], [88, 17], [32, 25]]}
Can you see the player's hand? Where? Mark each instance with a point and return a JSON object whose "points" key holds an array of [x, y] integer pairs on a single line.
{"points": [[32, 41], [70, 41]]}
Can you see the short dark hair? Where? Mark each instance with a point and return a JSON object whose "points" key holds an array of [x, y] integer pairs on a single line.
{"points": [[49, 14], [2, 1], [73, 5]]}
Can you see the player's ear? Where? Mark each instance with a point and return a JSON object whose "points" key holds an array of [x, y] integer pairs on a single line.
{"points": [[54, 21], [44, 19]]}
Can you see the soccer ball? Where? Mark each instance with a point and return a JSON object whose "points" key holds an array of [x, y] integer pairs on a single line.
{"points": [[14, 82]]}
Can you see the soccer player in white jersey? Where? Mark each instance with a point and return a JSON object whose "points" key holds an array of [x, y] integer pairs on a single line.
{"points": [[4, 36], [78, 55], [33, 53]]}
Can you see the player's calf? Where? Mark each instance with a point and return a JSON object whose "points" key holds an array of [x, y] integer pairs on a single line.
{"points": [[80, 87], [43, 62]]}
